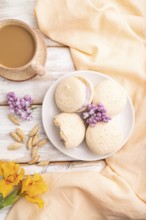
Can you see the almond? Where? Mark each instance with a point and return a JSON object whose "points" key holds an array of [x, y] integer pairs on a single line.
{"points": [[29, 143], [42, 142], [35, 140], [14, 119], [34, 160], [34, 131], [15, 136], [43, 163], [34, 151], [14, 146], [21, 134]]}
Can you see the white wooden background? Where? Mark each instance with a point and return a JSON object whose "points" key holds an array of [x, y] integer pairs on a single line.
{"points": [[58, 62]]}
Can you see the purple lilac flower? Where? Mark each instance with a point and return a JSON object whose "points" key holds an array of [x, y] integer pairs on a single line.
{"points": [[20, 106], [94, 114]]}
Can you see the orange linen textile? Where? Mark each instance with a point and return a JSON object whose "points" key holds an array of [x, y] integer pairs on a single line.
{"points": [[108, 36]]}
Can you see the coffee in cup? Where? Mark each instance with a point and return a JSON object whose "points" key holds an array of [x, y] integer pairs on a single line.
{"points": [[17, 46], [21, 48]]}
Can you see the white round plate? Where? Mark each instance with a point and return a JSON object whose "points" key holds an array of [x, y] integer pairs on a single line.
{"points": [[50, 110]]}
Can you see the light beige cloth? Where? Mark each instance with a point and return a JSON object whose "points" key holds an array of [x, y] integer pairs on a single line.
{"points": [[108, 36]]}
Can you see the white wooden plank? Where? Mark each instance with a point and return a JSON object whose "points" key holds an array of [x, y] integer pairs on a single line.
{"points": [[3, 213], [59, 62], [58, 59], [36, 87], [47, 152], [24, 11], [49, 42], [65, 167]]}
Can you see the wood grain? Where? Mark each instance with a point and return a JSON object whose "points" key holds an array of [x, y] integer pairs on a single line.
{"points": [[65, 167], [47, 152], [59, 62], [24, 11]]}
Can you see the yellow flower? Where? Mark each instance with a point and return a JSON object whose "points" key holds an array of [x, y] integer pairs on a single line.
{"points": [[33, 186], [11, 176]]}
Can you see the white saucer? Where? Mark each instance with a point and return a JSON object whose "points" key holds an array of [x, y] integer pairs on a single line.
{"points": [[50, 110]]}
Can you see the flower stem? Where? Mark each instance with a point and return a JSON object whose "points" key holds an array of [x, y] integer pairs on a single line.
{"points": [[1, 197], [10, 199], [32, 108]]}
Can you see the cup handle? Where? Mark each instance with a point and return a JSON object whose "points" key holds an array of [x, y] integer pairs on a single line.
{"points": [[38, 69]]}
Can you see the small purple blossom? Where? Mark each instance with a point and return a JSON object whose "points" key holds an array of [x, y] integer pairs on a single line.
{"points": [[94, 114], [20, 106]]}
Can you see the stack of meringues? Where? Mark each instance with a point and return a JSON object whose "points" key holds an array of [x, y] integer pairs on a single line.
{"points": [[72, 95]]}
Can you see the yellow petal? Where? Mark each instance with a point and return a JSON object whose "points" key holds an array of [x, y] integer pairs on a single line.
{"points": [[0, 168], [25, 184], [9, 168], [37, 177], [36, 200], [33, 186], [19, 177], [11, 172], [5, 189], [37, 188]]}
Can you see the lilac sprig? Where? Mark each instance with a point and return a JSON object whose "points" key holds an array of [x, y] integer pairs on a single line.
{"points": [[94, 114], [20, 106]]}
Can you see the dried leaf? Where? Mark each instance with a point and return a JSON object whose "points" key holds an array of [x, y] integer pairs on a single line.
{"points": [[34, 131], [14, 119], [15, 136], [42, 142], [21, 134], [34, 160]]}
